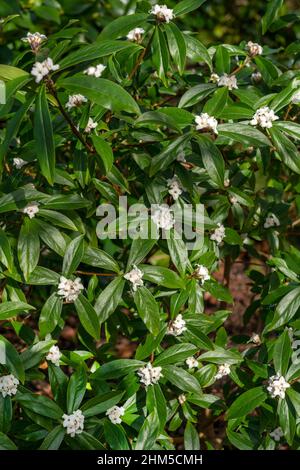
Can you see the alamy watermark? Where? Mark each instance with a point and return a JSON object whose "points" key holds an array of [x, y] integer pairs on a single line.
{"points": [[137, 221]]}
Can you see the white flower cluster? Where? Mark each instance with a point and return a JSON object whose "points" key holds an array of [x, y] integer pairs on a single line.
{"points": [[254, 49], [192, 362], [255, 338], [256, 77], [201, 273], [205, 121], [31, 209], [149, 375], [75, 101], [42, 69], [277, 434], [264, 117], [228, 80], [34, 40], [214, 78], [115, 414], [271, 221], [277, 386], [174, 187], [19, 163], [218, 234], [54, 355], [91, 125], [135, 277], [163, 217], [74, 423], [8, 385], [162, 13], [68, 289], [296, 97], [223, 370], [182, 399], [95, 70], [176, 327], [135, 34]]}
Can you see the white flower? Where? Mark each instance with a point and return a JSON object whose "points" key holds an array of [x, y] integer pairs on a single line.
{"points": [[19, 162], [264, 117], [223, 370], [162, 13], [181, 156], [192, 362], [233, 200], [296, 97], [135, 277], [95, 71], [201, 273], [227, 182], [34, 40], [74, 423], [90, 125], [8, 385], [75, 101], [271, 221], [174, 187], [163, 217], [277, 386], [256, 77], [229, 81], [69, 289], [254, 48], [41, 69], [205, 121], [255, 339], [176, 327], [182, 398], [31, 209], [218, 234], [214, 78], [149, 375], [115, 414], [54, 355], [135, 34], [276, 434]]}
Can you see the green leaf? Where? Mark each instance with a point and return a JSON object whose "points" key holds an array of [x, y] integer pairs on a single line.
{"points": [[139, 250], [215, 105], [286, 309], [50, 314], [11, 359], [168, 155], [100, 404], [73, 255], [101, 91], [221, 356], [282, 353], [191, 437], [40, 404], [148, 432], [121, 26], [186, 6], [177, 47], [286, 150], [117, 368], [5, 414], [43, 136], [76, 389], [6, 257], [28, 247], [247, 402], [105, 153], [242, 133], [181, 379], [54, 439], [271, 14], [155, 400], [162, 276], [195, 94], [33, 355], [287, 419], [109, 299], [88, 316], [10, 309], [160, 54], [175, 353], [212, 160], [115, 436], [178, 252], [147, 309], [222, 60], [6, 443]]}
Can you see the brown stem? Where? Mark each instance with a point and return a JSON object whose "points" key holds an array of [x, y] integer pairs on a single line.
{"points": [[140, 58], [76, 132]]}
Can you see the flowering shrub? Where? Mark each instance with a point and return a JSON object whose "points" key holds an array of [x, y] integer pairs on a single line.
{"points": [[146, 111]]}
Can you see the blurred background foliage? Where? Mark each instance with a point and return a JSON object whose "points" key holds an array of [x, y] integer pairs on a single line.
{"points": [[216, 21]]}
